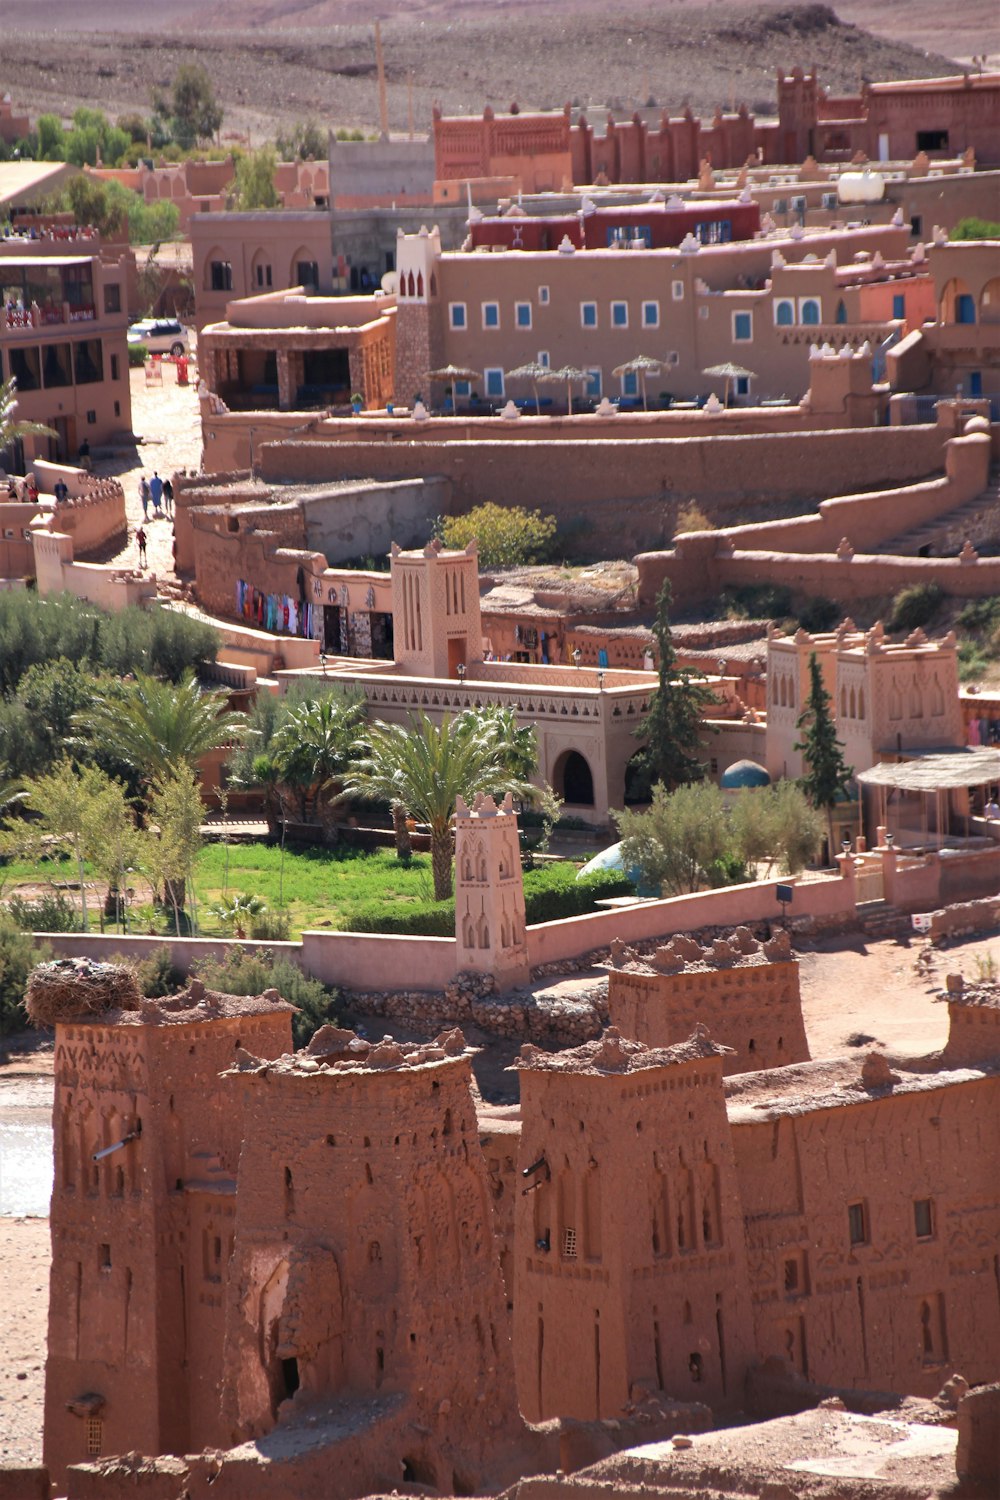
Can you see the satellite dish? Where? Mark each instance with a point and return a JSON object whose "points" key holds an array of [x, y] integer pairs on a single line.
{"points": [[390, 282]]}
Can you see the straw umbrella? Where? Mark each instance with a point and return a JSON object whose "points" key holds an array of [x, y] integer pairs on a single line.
{"points": [[534, 371], [567, 373], [450, 373], [729, 372], [642, 366]]}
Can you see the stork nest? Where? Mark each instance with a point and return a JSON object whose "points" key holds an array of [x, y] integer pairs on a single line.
{"points": [[69, 989]]}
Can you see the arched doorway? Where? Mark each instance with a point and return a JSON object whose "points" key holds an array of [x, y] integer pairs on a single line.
{"points": [[989, 302], [573, 779], [957, 302]]}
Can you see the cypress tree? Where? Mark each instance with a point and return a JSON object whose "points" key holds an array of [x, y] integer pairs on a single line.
{"points": [[674, 725], [827, 774]]}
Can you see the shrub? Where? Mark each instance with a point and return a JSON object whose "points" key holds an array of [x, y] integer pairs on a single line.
{"points": [[757, 601], [137, 354], [691, 517], [915, 606], [508, 536], [51, 912], [979, 615], [819, 614], [155, 974], [242, 972], [271, 927], [18, 956], [551, 892]]}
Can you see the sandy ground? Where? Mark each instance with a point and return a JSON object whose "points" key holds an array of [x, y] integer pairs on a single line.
{"points": [[851, 990], [166, 422]]}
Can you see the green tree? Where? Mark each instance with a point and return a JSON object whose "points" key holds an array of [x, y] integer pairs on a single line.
{"points": [[67, 804], [426, 767], [777, 823], [682, 841], [674, 726], [194, 113], [159, 727], [508, 536], [51, 138], [307, 141], [315, 746], [11, 430], [253, 186], [236, 913], [92, 202], [827, 774], [516, 744], [115, 845], [176, 812]]}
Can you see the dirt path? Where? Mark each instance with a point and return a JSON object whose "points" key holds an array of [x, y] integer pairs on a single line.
{"points": [[166, 421]]}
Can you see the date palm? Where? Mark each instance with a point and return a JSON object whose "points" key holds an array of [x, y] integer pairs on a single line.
{"points": [[156, 726], [315, 745], [426, 767], [11, 430]]}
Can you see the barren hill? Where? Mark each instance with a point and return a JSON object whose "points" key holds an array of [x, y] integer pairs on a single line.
{"points": [[275, 61]]}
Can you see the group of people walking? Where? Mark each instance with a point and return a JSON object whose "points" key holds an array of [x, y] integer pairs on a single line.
{"points": [[156, 492]]}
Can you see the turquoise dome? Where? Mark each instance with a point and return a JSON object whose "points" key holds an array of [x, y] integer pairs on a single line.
{"points": [[743, 774]]}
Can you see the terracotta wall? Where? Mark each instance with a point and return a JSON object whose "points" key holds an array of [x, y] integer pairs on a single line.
{"points": [[754, 1008], [646, 480], [898, 1311]]}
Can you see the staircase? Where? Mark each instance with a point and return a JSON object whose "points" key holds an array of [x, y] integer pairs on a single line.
{"points": [[877, 919], [978, 520]]}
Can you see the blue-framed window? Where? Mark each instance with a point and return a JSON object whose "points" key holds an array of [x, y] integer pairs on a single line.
{"points": [[491, 315], [630, 383], [714, 231], [522, 314], [624, 234], [619, 314], [899, 305], [594, 384], [588, 314], [742, 385], [784, 312], [493, 380], [810, 311], [650, 315], [742, 327], [457, 315], [463, 387]]}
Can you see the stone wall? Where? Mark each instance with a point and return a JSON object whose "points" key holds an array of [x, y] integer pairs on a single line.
{"points": [[621, 497]]}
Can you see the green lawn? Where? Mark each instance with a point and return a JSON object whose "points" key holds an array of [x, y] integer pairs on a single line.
{"points": [[319, 888]]}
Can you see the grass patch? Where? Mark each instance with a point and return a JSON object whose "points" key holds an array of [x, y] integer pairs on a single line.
{"points": [[332, 889]]}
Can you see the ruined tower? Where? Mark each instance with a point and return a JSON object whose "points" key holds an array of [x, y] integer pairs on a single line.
{"points": [[743, 992], [629, 1246], [489, 892], [366, 1271], [142, 1213]]}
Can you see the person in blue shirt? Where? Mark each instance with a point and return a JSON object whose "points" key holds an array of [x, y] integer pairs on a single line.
{"points": [[156, 492]]}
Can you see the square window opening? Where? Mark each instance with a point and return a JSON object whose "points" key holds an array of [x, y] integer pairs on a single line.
{"points": [[569, 1244], [619, 314]]}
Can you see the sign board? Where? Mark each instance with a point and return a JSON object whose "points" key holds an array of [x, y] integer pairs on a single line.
{"points": [[784, 894], [921, 921]]}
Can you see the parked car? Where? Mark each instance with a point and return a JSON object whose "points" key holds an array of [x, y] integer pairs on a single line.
{"points": [[160, 336]]}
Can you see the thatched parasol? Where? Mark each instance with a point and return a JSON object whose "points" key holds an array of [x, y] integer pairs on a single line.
{"points": [[642, 365], [450, 373], [569, 374], [729, 372], [534, 371]]}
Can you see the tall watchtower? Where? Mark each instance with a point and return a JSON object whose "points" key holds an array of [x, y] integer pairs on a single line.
{"points": [[142, 1220], [489, 892], [419, 347], [628, 1237]]}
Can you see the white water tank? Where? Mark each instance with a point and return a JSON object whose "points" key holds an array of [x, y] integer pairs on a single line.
{"points": [[860, 187]]}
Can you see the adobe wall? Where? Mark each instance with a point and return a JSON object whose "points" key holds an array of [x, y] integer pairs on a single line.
{"points": [[745, 994], [973, 1025], [646, 480], [732, 906], [364, 1250], [630, 1269], [121, 1326], [111, 588], [898, 1309], [364, 519]]}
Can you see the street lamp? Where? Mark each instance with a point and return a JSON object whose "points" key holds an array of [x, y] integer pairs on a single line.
{"points": [[600, 681], [461, 671], [577, 656]]}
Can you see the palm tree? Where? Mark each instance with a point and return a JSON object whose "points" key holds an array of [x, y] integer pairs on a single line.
{"points": [[236, 913], [315, 745], [426, 767], [12, 431], [156, 726], [517, 744]]}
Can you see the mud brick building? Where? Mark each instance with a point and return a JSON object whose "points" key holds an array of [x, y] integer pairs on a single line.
{"points": [[745, 994]]}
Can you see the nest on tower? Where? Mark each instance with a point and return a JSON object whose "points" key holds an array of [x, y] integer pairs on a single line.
{"points": [[69, 989]]}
